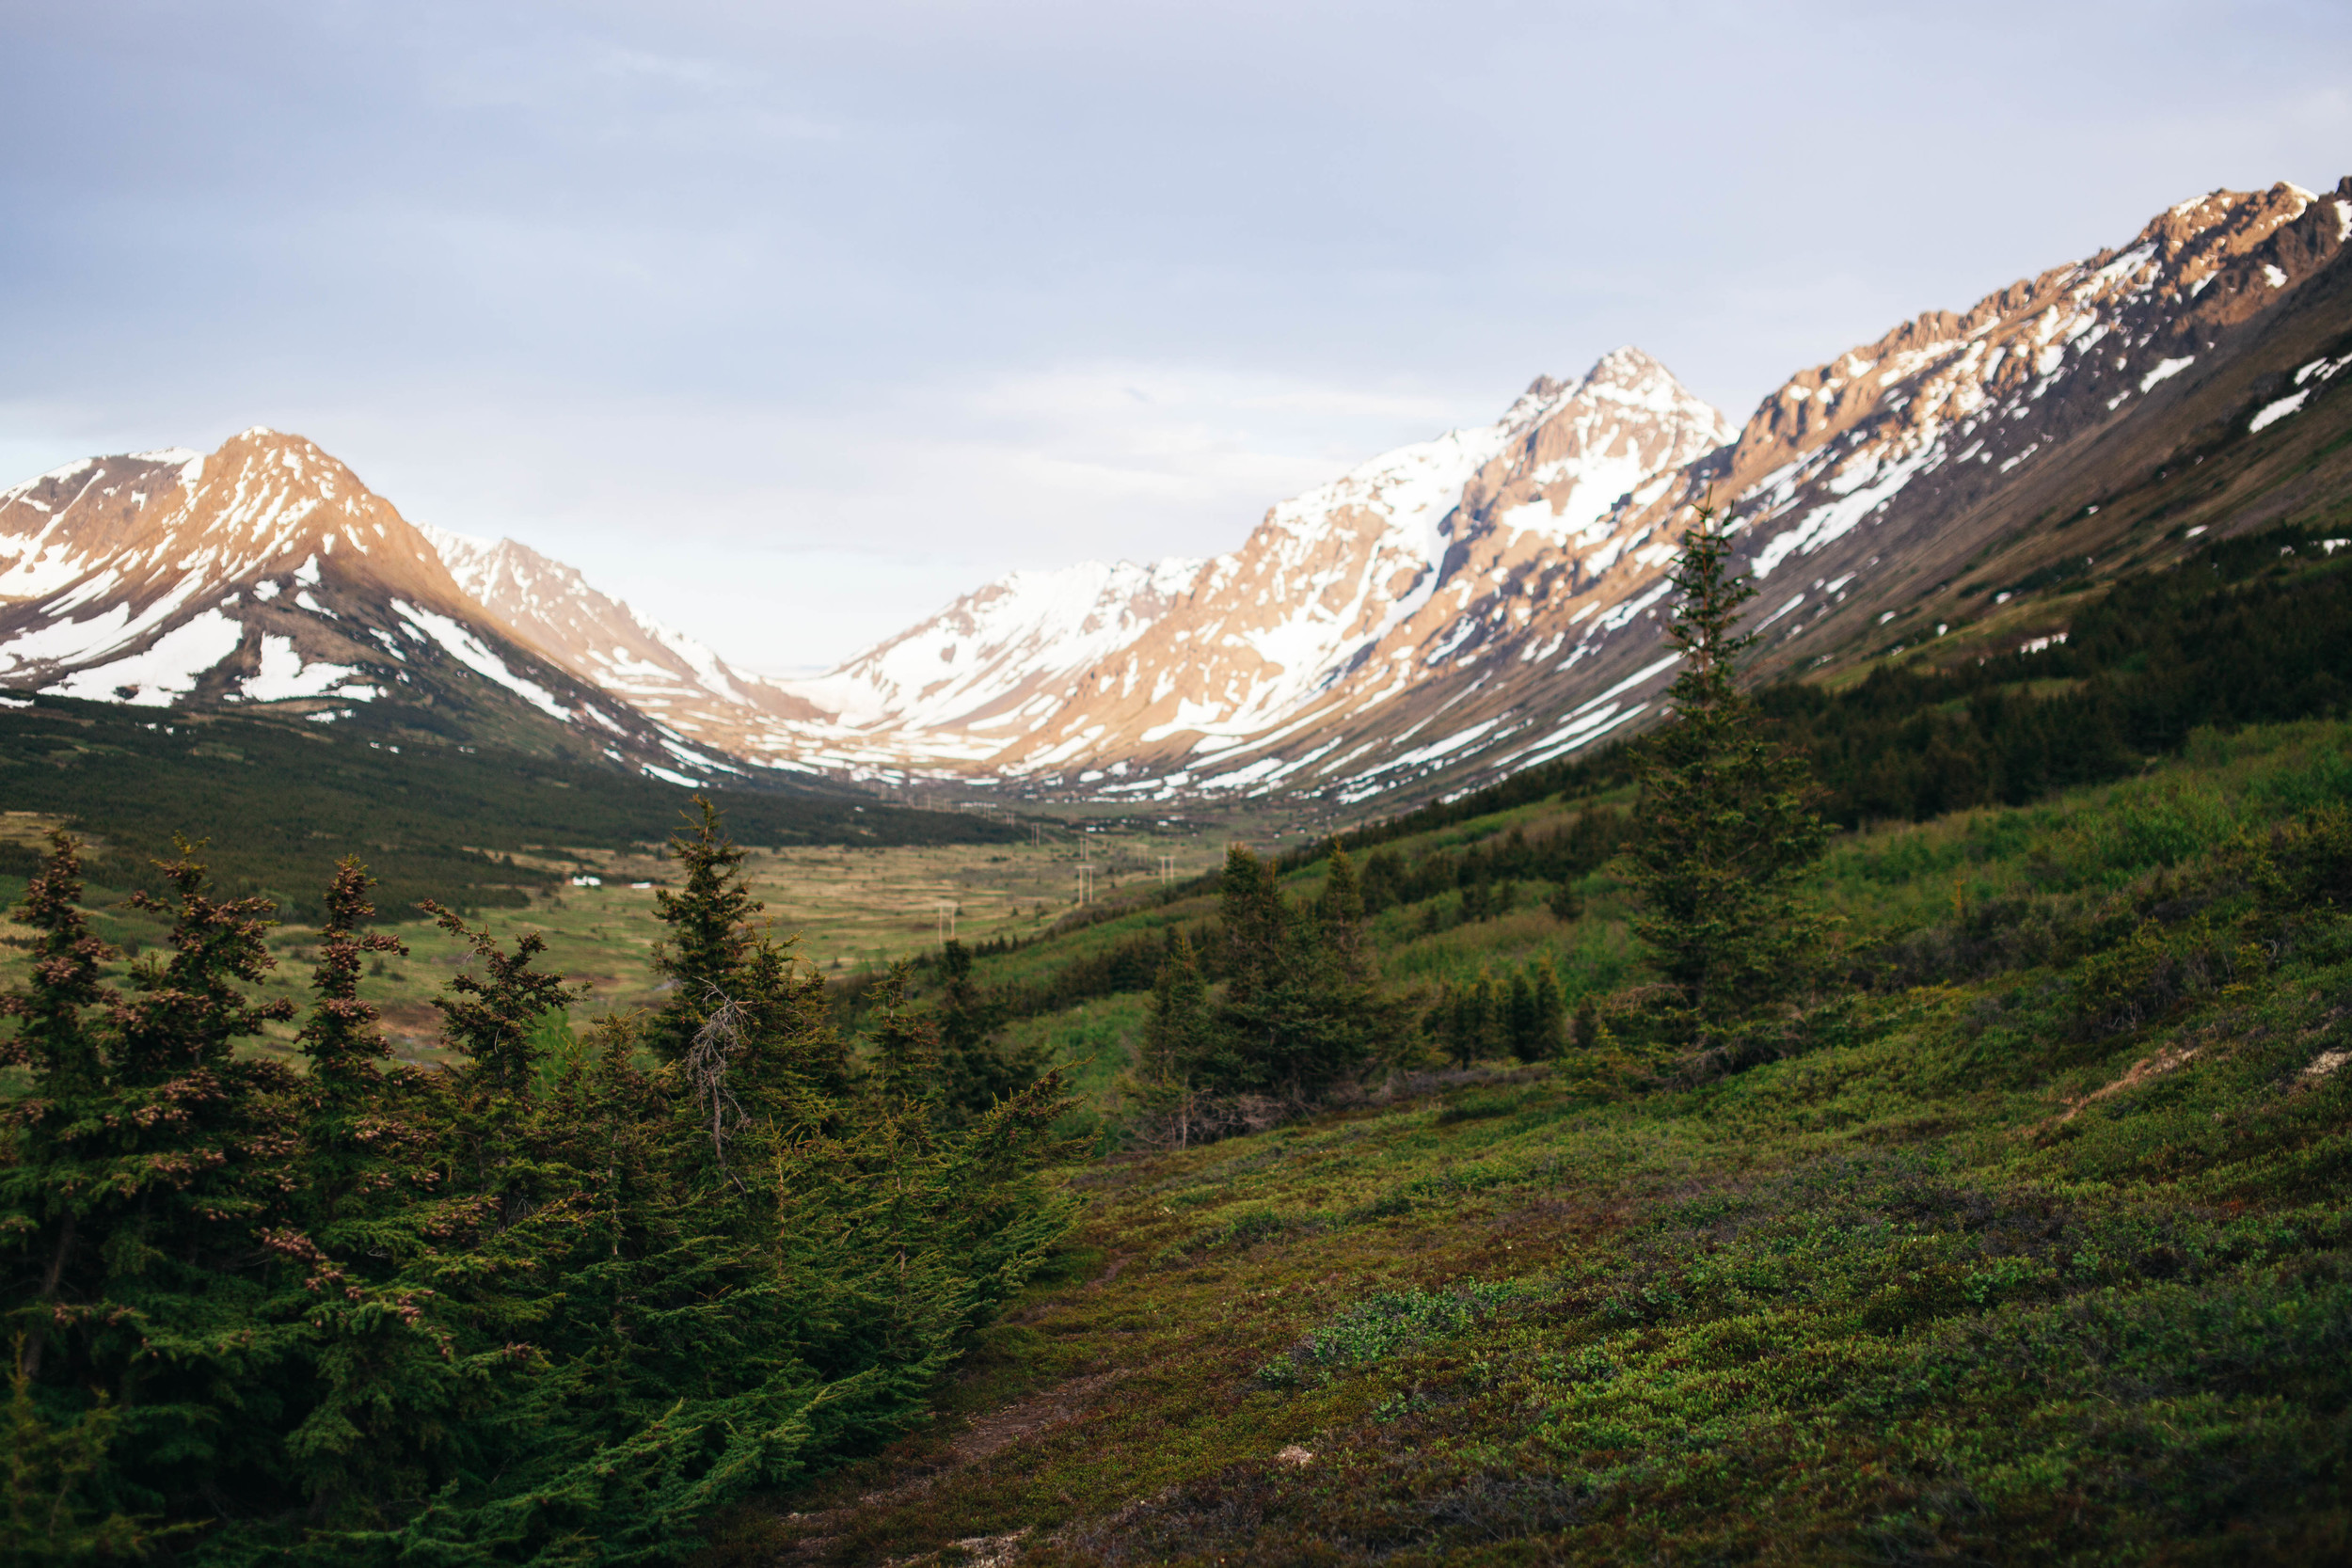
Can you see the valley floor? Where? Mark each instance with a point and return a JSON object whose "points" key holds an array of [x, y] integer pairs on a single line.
{"points": [[852, 910]]}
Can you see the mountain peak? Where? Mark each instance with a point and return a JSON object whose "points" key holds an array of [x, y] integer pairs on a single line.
{"points": [[144, 573], [266, 572], [1626, 363]]}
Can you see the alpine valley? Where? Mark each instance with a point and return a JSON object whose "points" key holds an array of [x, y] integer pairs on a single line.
{"points": [[1438, 617]]}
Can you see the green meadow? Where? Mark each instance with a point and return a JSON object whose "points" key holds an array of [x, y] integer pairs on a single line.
{"points": [[2032, 1247]]}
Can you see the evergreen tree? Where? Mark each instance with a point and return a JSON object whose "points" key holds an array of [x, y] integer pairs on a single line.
{"points": [[773, 1024], [1722, 828], [1477, 1021], [783, 1004], [541, 1308], [136, 1171], [905, 1046], [710, 936], [977, 1067], [1518, 1018], [1549, 1012], [379, 1424], [1584, 1031], [1340, 913], [497, 1018], [58, 1176], [1533, 1012], [1301, 1008], [1178, 1045], [352, 1142]]}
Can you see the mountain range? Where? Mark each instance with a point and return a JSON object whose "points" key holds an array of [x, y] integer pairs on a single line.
{"points": [[1438, 616]]}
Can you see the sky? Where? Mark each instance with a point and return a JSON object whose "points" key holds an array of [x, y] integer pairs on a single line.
{"points": [[788, 322]]}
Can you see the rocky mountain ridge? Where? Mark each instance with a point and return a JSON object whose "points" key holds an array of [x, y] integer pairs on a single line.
{"points": [[265, 573], [1862, 487], [1442, 613], [1350, 581], [662, 672]]}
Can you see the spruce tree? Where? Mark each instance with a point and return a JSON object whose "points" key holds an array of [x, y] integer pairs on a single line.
{"points": [[1179, 1044], [773, 1026], [58, 1174], [1723, 830], [1549, 1009], [710, 934], [1339, 915], [384, 1388], [138, 1170], [905, 1045], [354, 1141], [514, 1312], [1534, 1012], [1520, 1026], [497, 1018], [1302, 1007], [979, 1069]]}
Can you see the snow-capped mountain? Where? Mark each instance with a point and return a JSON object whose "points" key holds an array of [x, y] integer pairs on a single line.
{"points": [[1116, 666], [1492, 599], [1442, 613], [266, 572], [666, 673], [1866, 474], [1003, 657]]}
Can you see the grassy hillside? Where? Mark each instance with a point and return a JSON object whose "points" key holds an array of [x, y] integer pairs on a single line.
{"points": [[2038, 1251]]}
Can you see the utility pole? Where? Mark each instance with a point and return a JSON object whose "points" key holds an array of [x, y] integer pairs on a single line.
{"points": [[1167, 869], [945, 910]]}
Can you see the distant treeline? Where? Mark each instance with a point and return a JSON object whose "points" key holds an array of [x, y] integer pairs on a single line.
{"points": [[280, 803], [2252, 630], [1577, 850]]}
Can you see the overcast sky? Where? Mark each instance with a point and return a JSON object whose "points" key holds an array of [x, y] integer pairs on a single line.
{"points": [[788, 322]]}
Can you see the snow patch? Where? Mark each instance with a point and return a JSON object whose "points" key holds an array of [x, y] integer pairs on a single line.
{"points": [[168, 668], [469, 650], [2271, 414], [284, 674]]}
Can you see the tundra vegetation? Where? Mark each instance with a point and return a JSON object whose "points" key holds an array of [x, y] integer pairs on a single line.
{"points": [[2002, 1220], [2027, 1241], [1991, 1207]]}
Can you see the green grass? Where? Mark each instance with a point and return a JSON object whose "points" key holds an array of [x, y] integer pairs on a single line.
{"points": [[1988, 1273]]}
